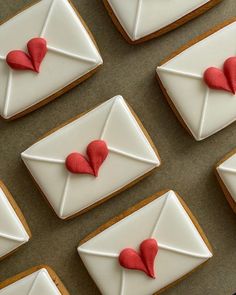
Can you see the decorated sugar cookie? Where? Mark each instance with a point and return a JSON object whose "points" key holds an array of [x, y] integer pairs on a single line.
{"points": [[35, 281], [226, 175], [141, 20], [45, 50], [147, 248], [14, 231], [199, 85], [91, 158]]}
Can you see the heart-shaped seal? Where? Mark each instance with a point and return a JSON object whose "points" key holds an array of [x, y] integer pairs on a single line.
{"points": [[97, 152], [143, 261], [20, 60], [222, 79]]}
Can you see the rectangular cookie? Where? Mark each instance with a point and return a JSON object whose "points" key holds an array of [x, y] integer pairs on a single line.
{"points": [[65, 163], [199, 83], [141, 20], [40, 280], [156, 243], [46, 49], [14, 231], [226, 175]]}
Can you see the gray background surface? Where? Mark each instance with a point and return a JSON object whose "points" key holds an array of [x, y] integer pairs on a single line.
{"points": [[187, 164]]}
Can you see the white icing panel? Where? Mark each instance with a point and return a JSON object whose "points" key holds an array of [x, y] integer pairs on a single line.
{"points": [[130, 157], [12, 231], [181, 248], [205, 111], [71, 54]]}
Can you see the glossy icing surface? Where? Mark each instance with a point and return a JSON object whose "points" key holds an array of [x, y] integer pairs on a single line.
{"points": [[227, 172], [71, 54], [181, 248], [37, 283], [12, 231], [130, 156], [205, 111], [140, 18]]}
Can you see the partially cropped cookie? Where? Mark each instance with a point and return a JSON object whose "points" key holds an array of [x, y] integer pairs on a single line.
{"points": [[45, 50], [141, 20], [41, 280], [199, 81], [91, 158], [14, 231], [226, 175], [155, 243]]}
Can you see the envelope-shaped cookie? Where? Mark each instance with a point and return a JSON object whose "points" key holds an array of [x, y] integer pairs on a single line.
{"points": [[146, 249], [65, 164], [40, 280], [226, 175], [190, 79], [45, 50], [14, 230], [140, 20]]}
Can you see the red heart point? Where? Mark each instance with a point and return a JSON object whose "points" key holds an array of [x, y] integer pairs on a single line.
{"points": [[97, 152]]}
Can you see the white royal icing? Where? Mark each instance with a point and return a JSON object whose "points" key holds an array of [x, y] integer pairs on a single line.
{"points": [[181, 248], [37, 283], [205, 111], [12, 231], [71, 54], [130, 157], [227, 172], [140, 18]]}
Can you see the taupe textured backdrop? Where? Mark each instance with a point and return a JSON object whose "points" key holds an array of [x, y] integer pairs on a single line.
{"points": [[187, 165]]}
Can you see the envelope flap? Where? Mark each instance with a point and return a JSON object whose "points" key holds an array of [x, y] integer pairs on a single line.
{"points": [[10, 225], [176, 230], [43, 284], [15, 33], [74, 136], [124, 233], [154, 16], [126, 12], [191, 97], [104, 267], [229, 163], [211, 51], [123, 133], [65, 31]]}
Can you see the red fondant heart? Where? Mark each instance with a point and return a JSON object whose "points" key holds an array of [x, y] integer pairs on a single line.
{"points": [[230, 72], [143, 261], [19, 60], [97, 152], [216, 79], [222, 79]]}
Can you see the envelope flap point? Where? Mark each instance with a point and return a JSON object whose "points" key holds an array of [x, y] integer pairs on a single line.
{"points": [[123, 133], [66, 33]]}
